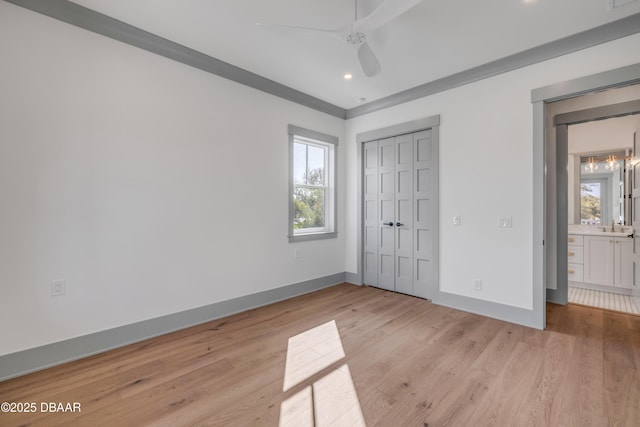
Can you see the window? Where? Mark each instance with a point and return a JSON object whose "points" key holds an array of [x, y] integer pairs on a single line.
{"points": [[312, 193], [590, 206], [594, 203]]}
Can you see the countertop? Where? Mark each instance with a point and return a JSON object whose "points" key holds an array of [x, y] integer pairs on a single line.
{"points": [[596, 230]]}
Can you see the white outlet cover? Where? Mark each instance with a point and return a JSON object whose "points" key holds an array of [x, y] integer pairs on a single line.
{"points": [[457, 220]]}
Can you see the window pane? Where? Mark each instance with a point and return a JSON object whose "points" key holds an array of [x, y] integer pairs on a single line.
{"points": [[308, 207], [590, 204], [299, 163], [316, 166]]}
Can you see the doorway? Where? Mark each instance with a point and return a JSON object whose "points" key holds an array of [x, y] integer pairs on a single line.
{"points": [[600, 248], [546, 227], [608, 255]]}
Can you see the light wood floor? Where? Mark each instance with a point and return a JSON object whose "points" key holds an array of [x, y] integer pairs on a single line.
{"points": [[411, 363]]}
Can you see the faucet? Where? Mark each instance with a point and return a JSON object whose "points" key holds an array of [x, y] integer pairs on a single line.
{"points": [[613, 226]]}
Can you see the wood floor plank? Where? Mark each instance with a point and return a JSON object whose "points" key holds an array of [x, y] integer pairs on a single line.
{"points": [[631, 414], [540, 399], [500, 407], [498, 350], [413, 388], [617, 384], [410, 363], [618, 348], [579, 405]]}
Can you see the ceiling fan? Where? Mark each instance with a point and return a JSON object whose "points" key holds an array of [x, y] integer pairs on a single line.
{"points": [[355, 34]]}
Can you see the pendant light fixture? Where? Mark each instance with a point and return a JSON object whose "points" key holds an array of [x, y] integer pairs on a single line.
{"points": [[612, 163], [591, 166]]}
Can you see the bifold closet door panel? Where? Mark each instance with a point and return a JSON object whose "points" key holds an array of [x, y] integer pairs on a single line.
{"points": [[426, 205], [370, 212], [404, 213], [386, 213]]}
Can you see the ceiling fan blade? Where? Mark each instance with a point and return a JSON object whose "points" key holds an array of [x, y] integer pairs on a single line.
{"points": [[339, 32], [387, 11], [368, 60]]}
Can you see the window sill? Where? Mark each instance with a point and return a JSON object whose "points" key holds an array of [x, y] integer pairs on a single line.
{"points": [[312, 236]]}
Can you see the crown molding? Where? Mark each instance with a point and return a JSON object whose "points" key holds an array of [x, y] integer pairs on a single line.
{"points": [[107, 26], [598, 35], [91, 20]]}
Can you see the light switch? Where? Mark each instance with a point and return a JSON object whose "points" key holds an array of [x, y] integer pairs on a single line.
{"points": [[58, 288], [457, 220], [505, 222]]}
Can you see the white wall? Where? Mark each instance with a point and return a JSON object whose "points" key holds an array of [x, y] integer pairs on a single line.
{"points": [[486, 171], [614, 134], [151, 187]]}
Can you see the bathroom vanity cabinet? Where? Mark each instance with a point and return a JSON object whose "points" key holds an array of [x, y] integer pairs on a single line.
{"points": [[575, 258], [607, 261]]}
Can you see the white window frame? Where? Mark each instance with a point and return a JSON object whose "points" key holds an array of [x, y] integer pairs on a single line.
{"points": [[330, 144]]}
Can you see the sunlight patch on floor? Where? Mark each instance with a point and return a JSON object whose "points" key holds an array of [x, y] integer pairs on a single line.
{"points": [[310, 352], [335, 400], [297, 410], [331, 400]]}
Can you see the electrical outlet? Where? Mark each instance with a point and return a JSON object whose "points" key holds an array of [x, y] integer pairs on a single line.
{"points": [[457, 220], [58, 287], [297, 253], [477, 284]]}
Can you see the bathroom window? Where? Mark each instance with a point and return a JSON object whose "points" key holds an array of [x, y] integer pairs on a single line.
{"points": [[592, 202]]}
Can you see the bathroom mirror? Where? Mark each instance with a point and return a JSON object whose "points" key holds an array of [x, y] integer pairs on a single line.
{"points": [[597, 180], [600, 185]]}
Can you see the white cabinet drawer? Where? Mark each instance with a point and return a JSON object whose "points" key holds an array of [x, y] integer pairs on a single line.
{"points": [[575, 239], [575, 273], [575, 254]]}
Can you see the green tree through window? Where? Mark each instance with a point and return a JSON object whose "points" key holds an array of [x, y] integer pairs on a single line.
{"points": [[310, 187], [312, 195], [309, 206], [590, 203]]}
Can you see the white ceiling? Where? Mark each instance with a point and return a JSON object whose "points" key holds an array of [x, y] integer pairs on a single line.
{"points": [[433, 40]]}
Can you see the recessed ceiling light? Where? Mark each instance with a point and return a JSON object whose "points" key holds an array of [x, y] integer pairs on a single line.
{"points": [[348, 76]]}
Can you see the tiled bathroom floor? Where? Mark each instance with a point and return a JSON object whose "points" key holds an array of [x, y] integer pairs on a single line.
{"points": [[606, 300]]}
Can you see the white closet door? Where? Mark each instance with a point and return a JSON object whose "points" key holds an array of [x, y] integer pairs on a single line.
{"points": [[400, 206], [386, 213], [404, 213], [370, 207]]}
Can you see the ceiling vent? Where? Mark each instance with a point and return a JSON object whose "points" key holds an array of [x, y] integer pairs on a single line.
{"points": [[614, 4]]}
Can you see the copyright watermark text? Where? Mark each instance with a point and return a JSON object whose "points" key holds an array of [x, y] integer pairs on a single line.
{"points": [[33, 407]]}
